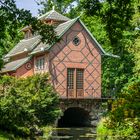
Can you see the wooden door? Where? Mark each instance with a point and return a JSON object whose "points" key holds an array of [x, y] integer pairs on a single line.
{"points": [[75, 83]]}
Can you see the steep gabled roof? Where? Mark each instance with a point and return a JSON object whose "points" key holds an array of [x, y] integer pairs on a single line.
{"points": [[63, 27], [34, 45], [60, 30], [14, 65], [54, 16], [24, 45]]}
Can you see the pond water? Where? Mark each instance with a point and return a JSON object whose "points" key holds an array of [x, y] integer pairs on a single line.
{"points": [[85, 133]]}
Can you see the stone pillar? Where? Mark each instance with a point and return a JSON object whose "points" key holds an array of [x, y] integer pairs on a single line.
{"points": [[96, 113]]}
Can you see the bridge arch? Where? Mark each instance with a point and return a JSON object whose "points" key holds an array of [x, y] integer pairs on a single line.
{"points": [[74, 117]]}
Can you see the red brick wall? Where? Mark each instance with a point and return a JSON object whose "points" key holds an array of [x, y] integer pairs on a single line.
{"points": [[23, 71], [86, 55]]}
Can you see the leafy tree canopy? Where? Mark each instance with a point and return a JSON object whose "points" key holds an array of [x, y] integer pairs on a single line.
{"points": [[61, 6], [118, 20]]}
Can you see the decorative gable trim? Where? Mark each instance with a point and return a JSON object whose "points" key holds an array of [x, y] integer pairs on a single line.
{"points": [[59, 37], [97, 43], [93, 38], [70, 23]]}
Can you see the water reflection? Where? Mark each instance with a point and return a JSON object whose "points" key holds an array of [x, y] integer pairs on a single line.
{"points": [[73, 134]]}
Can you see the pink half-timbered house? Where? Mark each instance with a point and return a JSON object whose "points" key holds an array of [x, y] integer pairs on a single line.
{"points": [[74, 62]]}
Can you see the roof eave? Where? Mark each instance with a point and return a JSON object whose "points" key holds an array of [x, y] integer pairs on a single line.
{"points": [[2, 72], [18, 66], [37, 52], [28, 51], [8, 56], [111, 55], [99, 46]]}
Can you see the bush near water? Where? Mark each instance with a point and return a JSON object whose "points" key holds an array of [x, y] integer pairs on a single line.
{"points": [[28, 104], [123, 121]]}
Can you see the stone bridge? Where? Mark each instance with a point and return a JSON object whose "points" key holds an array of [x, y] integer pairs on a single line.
{"points": [[80, 112]]}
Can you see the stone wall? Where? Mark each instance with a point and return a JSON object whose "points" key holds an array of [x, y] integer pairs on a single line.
{"points": [[93, 106]]}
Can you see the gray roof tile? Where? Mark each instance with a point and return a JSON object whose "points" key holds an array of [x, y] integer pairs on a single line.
{"points": [[40, 48], [31, 43], [53, 15], [34, 45], [12, 66], [60, 29], [24, 45]]}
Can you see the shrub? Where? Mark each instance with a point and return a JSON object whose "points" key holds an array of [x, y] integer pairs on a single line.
{"points": [[128, 103], [27, 104], [123, 131], [123, 121]]}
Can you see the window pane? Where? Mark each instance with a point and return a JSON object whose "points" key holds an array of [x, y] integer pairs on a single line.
{"points": [[43, 63], [80, 78], [70, 79], [40, 63]]}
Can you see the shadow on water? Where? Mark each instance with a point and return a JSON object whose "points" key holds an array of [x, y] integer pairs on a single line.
{"points": [[74, 134]]}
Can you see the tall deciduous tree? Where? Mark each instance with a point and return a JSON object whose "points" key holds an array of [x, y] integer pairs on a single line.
{"points": [[62, 6], [116, 16]]}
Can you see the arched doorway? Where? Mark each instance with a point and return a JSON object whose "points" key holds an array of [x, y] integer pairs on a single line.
{"points": [[75, 117]]}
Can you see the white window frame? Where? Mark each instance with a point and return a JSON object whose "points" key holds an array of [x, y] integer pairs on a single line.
{"points": [[40, 63]]}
